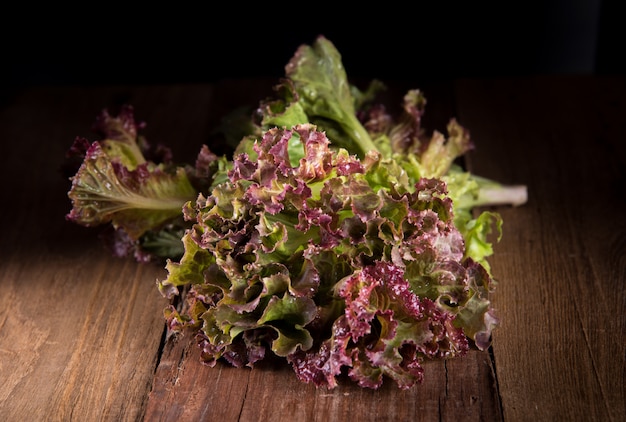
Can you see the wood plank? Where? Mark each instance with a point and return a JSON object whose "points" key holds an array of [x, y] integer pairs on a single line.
{"points": [[80, 331], [560, 265], [185, 390], [71, 342], [560, 350]]}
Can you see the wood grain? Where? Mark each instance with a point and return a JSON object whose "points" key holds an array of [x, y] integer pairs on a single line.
{"points": [[79, 330], [186, 390], [82, 335], [560, 351]]}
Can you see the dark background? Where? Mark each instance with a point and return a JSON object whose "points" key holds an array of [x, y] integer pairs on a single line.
{"points": [[195, 43]]}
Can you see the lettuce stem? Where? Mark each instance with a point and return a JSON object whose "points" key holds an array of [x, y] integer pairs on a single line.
{"points": [[361, 136], [502, 195]]}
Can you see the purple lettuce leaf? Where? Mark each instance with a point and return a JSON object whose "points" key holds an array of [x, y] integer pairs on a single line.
{"points": [[386, 330]]}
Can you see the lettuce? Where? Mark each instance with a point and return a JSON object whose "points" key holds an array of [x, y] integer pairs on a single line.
{"points": [[328, 260], [338, 237]]}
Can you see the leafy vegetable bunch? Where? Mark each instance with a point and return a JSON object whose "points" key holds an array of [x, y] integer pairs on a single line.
{"points": [[336, 236]]}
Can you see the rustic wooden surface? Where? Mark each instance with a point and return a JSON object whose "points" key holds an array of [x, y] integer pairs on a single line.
{"points": [[82, 335]]}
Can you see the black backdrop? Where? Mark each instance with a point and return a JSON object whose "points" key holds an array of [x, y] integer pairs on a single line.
{"points": [[204, 42]]}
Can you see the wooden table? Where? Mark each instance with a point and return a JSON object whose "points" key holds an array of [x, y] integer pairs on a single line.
{"points": [[82, 334]]}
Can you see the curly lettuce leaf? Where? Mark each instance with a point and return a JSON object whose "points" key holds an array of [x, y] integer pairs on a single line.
{"points": [[309, 250], [386, 330]]}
